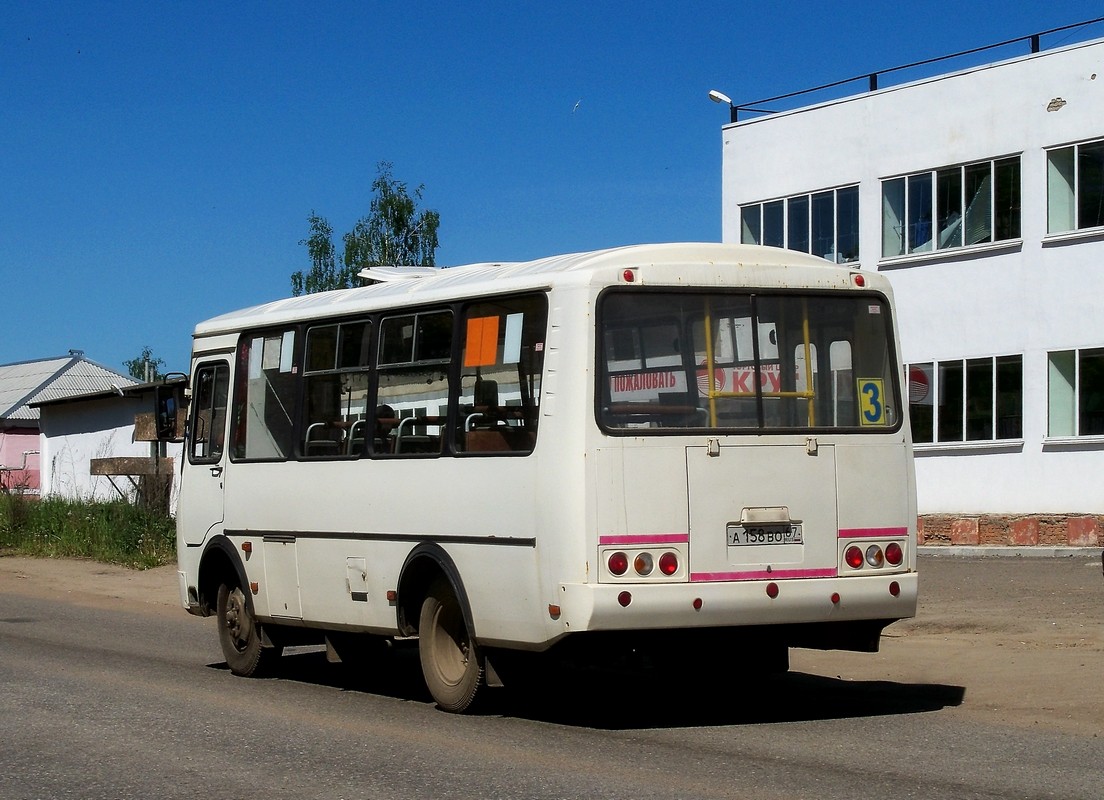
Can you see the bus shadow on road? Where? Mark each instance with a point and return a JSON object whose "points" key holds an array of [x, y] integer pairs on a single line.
{"points": [[615, 699], [640, 701]]}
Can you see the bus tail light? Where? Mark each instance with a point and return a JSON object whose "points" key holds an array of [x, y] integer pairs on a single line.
{"points": [[894, 554], [854, 557], [618, 563], [668, 563], [874, 556]]}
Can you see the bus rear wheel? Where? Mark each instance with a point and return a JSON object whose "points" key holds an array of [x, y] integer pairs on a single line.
{"points": [[452, 662], [240, 635]]}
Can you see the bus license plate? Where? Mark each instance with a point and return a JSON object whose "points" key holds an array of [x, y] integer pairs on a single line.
{"points": [[763, 534]]}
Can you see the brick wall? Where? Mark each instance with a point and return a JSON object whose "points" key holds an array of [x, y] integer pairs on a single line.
{"points": [[1048, 530]]}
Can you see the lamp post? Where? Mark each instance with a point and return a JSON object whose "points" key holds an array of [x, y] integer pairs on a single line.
{"points": [[721, 97]]}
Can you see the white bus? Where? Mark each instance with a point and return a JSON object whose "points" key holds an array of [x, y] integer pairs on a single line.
{"points": [[663, 448]]}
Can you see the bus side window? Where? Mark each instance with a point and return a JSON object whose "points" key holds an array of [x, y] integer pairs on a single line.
{"points": [[212, 384], [412, 384], [335, 421], [503, 358]]}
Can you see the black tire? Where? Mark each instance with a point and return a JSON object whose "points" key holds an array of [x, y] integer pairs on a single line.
{"points": [[240, 635], [452, 662]]}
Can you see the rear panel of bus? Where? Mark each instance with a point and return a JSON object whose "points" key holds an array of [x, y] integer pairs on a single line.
{"points": [[755, 467]]}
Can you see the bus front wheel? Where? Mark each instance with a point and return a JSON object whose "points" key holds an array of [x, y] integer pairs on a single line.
{"points": [[239, 633], [451, 661]]}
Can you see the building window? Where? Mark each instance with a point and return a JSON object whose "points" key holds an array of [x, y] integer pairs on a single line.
{"points": [[1075, 387], [969, 400], [1075, 187], [951, 207], [825, 224]]}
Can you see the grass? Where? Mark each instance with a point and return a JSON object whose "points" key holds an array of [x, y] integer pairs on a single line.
{"points": [[114, 533]]}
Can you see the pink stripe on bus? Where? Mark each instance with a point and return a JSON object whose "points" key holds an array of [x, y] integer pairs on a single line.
{"points": [[867, 533], [648, 538], [763, 575]]}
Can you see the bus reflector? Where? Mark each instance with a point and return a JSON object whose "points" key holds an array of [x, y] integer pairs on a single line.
{"points": [[668, 563], [772, 590], [618, 563], [835, 598], [895, 589], [894, 554], [697, 603], [853, 557], [624, 598]]}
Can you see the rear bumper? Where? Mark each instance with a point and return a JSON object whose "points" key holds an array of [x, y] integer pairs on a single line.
{"points": [[595, 607]]}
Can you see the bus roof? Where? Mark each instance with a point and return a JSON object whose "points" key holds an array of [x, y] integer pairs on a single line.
{"points": [[448, 283]]}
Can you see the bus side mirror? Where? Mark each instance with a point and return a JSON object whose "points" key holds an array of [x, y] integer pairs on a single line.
{"points": [[169, 412]]}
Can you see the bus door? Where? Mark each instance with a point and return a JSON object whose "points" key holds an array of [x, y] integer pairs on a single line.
{"points": [[762, 512], [206, 453]]}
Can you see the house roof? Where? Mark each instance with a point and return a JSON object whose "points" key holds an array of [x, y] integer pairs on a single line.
{"points": [[28, 382]]}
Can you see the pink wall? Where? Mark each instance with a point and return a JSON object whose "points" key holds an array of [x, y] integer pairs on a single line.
{"points": [[13, 443]]}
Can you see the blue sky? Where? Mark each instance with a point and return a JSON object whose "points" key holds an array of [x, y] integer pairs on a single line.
{"points": [[158, 161]]}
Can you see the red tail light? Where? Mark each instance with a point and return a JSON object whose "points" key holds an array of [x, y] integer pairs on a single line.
{"points": [[854, 557], [894, 554], [618, 563], [668, 563]]}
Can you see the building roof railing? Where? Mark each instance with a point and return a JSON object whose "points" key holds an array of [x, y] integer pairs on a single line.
{"points": [[873, 78]]}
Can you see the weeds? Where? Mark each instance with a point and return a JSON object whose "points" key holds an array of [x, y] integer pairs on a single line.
{"points": [[115, 533]]}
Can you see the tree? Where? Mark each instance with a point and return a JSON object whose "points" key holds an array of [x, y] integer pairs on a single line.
{"points": [[323, 274], [145, 367], [395, 233]]}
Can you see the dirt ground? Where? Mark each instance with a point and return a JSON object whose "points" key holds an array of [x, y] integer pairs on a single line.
{"points": [[1022, 636]]}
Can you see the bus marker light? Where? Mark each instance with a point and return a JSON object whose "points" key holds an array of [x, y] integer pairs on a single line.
{"points": [[668, 563], [894, 554], [553, 611], [772, 590], [624, 598], [874, 556], [392, 595], [895, 589], [254, 587], [859, 280], [247, 547], [835, 598], [618, 563], [853, 557], [629, 275]]}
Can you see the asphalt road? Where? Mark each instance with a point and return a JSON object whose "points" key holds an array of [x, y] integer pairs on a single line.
{"points": [[112, 699]]}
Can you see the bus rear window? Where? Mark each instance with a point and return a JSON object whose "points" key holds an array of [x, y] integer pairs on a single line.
{"points": [[746, 362]]}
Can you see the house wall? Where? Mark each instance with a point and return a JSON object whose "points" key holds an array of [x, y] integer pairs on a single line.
{"points": [[75, 433], [18, 471], [1030, 296]]}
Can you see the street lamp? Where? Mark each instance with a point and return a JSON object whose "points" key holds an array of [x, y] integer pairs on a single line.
{"points": [[721, 97]]}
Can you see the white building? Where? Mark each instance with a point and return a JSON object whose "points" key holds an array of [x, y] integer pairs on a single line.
{"points": [[981, 194], [91, 449]]}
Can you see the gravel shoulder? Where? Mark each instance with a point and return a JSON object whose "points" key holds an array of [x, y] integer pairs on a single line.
{"points": [[1022, 637]]}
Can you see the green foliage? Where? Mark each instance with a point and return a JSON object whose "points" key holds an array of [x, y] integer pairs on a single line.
{"points": [[324, 274], [394, 233], [115, 533], [145, 367]]}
